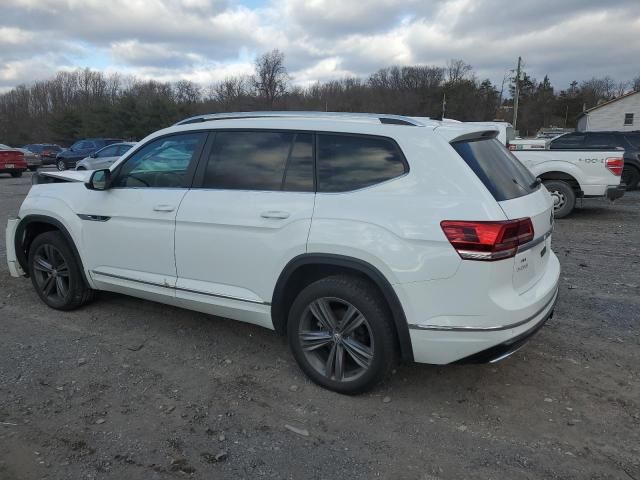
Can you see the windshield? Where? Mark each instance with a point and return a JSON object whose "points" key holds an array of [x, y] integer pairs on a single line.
{"points": [[500, 171]]}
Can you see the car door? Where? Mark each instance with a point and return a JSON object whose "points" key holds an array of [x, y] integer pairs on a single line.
{"points": [[128, 229], [248, 214]]}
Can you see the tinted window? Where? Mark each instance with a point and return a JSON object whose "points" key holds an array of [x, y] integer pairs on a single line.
{"points": [[568, 141], [502, 173], [350, 162], [255, 160], [161, 163], [601, 140], [633, 139]]}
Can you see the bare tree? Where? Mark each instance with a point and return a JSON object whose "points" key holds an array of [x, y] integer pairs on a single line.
{"points": [[228, 92], [635, 84], [457, 70], [271, 78]]}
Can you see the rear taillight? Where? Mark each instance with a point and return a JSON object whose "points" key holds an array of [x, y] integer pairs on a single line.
{"points": [[487, 241], [511, 147], [615, 165]]}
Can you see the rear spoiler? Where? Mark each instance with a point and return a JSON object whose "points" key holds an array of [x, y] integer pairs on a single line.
{"points": [[475, 136]]}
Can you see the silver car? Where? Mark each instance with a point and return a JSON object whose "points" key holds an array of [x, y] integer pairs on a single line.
{"points": [[104, 157]]}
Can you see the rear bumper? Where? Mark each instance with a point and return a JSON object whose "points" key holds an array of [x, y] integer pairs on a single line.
{"points": [[509, 347], [616, 192], [15, 169]]}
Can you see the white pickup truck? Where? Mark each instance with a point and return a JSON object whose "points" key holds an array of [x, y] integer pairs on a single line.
{"points": [[570, 174]]}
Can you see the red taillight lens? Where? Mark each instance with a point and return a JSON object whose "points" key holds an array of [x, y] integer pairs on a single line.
{"points": [[512, 147], [487, 240], [615, 165]]}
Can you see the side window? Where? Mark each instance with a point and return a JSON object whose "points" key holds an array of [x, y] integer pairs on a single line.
{"points": [[161, 163], [260, 160], [108, 152], [350, 162], [569, 141], [599, 140], [122, 149]]}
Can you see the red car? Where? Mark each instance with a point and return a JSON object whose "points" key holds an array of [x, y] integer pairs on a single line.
{"points": [[12, 161]]}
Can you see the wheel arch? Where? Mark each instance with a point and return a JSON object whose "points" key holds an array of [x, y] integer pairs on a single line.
{"points": [[33, 225], [307, 268], [565, 177]]}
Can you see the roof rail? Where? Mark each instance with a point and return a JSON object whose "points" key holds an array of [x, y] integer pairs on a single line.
{"points": [[380, 117]]}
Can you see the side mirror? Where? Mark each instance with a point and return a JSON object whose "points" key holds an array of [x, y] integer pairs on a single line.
{"points": [[99, 180], [94, 155]]}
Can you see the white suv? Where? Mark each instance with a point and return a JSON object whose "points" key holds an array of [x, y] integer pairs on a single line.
{"points": [[363, 238]]}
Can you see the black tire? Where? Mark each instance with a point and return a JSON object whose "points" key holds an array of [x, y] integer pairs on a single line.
{"points": [[33, 169], [50, 249], [564, 197], [60, 165], [375, 333], [16, 174], [80, 168], [631, 176]]}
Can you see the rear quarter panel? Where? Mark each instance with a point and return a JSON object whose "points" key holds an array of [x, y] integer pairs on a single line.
{"points": [[395, 225]]}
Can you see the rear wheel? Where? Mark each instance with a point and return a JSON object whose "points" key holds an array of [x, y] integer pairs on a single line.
{"points": [[61, 165], [631, 177], [16, 174], [55, 273], [564, 197], [341, 334]]}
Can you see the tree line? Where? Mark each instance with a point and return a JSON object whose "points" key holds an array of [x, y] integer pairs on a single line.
{"points": [[87, 103]]}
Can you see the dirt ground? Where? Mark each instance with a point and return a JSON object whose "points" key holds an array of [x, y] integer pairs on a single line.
{"points": [[128, 389]]}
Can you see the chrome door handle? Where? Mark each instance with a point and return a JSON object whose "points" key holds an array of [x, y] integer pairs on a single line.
{"points": [[164, 208], [275, 214]]}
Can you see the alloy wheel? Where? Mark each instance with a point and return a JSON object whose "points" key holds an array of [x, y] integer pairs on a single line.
{"points": [[336, 339], [559, 199], [51, 273], [61, 165]]}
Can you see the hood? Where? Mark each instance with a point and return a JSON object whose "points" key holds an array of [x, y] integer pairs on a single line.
{"points": [[68, 175]]}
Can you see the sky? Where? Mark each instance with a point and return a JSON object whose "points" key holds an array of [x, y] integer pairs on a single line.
{"points": [[208, 40]]}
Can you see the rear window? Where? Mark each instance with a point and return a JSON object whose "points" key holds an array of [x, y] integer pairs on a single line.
{"points": [[350, 162], [502, 173]]}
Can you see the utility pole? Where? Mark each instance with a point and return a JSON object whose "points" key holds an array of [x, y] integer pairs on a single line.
{"points": [[516, 96], [444, 104]]}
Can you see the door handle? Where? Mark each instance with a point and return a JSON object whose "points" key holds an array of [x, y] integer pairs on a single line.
{"points": [[164, 208], [278, 214]]}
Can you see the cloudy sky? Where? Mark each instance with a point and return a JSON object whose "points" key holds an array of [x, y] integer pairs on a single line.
{"points": [[207, 40]]}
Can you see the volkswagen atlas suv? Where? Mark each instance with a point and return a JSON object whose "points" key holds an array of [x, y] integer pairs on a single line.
{"points": [[364, 239]]}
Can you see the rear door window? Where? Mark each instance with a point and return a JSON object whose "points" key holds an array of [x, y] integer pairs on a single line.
{"points": [[260, 160], [350, 162], [500, 171]]}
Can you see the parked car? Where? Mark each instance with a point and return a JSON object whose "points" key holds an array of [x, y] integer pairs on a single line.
{"points": [[33, 160], [628, 141], [572, 173], [104, 157], [81, 149], [12, 161], [354, 235], [46, 151]]}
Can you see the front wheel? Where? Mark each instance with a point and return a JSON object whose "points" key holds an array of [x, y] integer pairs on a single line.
{"points": [[341, 334], [61, 165], [55, 273], [564, 197], [16, 174]]}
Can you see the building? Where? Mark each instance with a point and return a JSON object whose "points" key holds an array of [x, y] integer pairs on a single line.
{"points": [[619, 114]]}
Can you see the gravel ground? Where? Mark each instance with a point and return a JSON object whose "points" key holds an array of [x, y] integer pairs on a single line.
{"points": [[125, 388]]}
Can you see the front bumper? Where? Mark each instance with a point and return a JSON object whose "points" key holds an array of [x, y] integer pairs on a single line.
{"points": [[615, 192], [12, 261]]}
